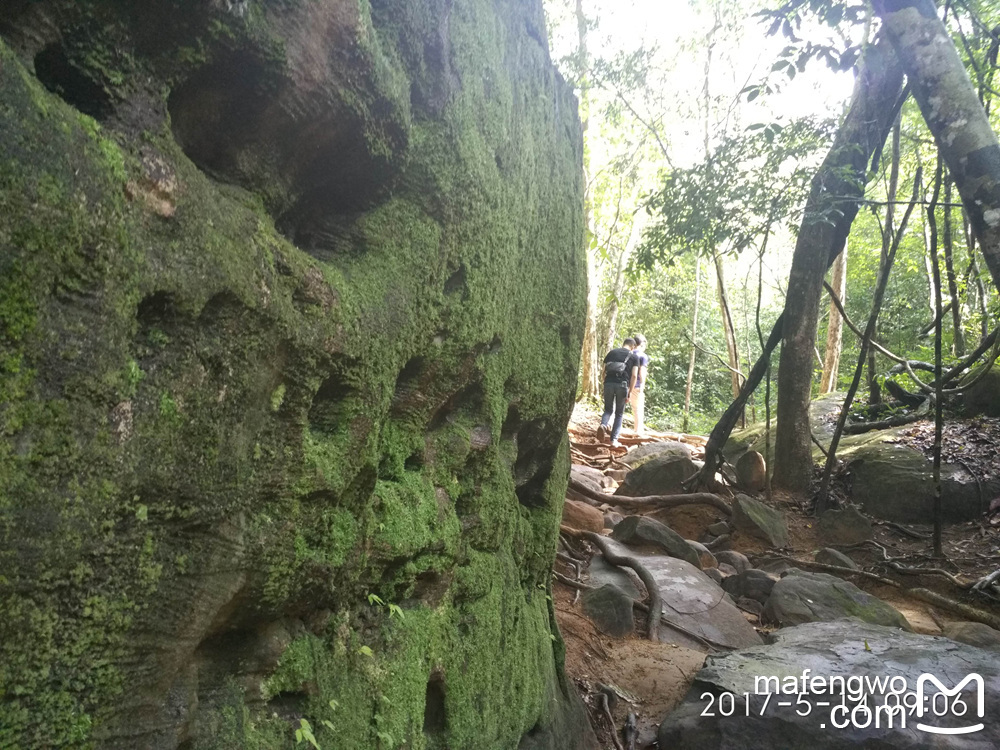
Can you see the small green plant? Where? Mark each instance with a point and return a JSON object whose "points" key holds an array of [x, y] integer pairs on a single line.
{"points": [[305, 734]]}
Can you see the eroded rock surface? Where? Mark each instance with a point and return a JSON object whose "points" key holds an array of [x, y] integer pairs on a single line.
{"points": [[290, 296]]}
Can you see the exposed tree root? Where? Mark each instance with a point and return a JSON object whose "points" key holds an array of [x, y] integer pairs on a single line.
{"points": [[650, 502], [627, 561]]}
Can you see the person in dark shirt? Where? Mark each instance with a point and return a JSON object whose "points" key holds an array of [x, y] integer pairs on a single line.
{"points": [[637, 381], [618, 365]]}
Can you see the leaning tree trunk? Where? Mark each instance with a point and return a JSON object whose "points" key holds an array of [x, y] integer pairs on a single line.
{"points": [[830, 209], [835, 326], [953, 114], [635, 234], [862, 133]]}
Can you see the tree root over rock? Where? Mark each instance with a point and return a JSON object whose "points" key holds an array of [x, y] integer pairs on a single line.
{"points": [[627, 561], [653, 502]]}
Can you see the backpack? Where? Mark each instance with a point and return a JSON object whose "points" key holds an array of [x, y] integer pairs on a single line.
{"points": [[617, 370]]}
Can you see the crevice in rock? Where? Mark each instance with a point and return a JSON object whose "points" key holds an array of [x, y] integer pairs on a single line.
{"points": [[467, 401], [328, 411], [435, 716], [537, 443], [60, 76], [457, 283]]}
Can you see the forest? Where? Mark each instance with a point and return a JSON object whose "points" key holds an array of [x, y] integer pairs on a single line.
{"points": [[313, 366]]}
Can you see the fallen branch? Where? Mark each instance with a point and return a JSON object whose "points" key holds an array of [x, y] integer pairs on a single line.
{"points": [[607, 714], [857, 428], [966, 611], [648, 502]]}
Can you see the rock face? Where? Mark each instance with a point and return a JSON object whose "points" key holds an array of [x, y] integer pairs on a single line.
{"points": [[845, 648], [807, 597], [289, 315]]}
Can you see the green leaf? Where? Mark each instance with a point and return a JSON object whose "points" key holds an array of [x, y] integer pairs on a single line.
{"points": [[142, 513], [365, 651]]}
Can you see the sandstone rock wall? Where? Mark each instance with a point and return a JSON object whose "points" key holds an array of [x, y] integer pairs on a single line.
{"points": [[290, 305]]}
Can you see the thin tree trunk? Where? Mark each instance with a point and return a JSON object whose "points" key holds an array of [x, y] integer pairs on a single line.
{"points": [[932, 221], [976, 276], [694, 339], [728, 328], [874, 388], [590, 356], [958, 335], [835, 326], [638, 222], [823, 497], [953, 114], [830, 209]]}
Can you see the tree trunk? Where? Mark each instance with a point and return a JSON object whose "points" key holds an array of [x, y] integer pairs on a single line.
{"points": [[728, 328], [835, 326], [958, 335], [694, 339], [953, 114], [830, 209], [635, 234], [591, 356], [874, 388]]}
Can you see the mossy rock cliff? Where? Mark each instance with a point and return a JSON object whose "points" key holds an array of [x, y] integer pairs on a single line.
{"points": [[290, 304]]}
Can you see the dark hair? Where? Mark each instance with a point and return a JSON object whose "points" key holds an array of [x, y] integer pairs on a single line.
{"points": [[628, 342], [639, 339]]}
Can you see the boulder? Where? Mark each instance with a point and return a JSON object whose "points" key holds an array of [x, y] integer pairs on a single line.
{"points": [[591, 477], [715, 574], [610, 609], [738, 560], [829, 556], [579, 515], [719, 528], [612, 518], [705, 556], [750, 584], [751, 471], [691, 600], [690, 521], [640, 532], [660, 475], [895, 483], [982, 397], [975, 634], [841, 649], [806, 596], [661, 448], [726, 570], [758, 520], [847, 526]]}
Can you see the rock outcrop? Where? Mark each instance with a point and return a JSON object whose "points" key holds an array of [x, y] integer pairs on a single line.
{"points": [[290, 297]]}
